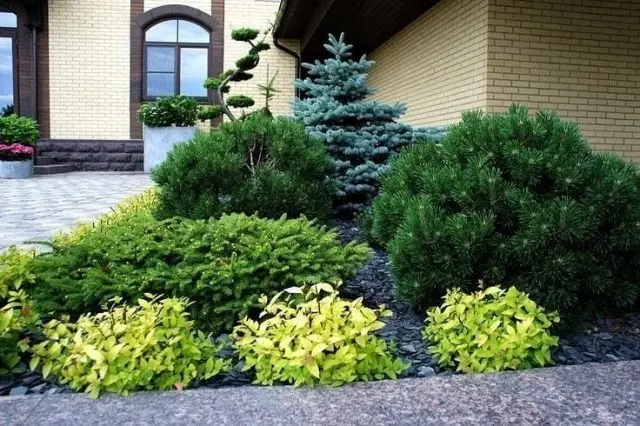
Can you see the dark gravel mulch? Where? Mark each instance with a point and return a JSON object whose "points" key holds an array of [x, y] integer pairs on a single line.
{"points": [[601, 340]]}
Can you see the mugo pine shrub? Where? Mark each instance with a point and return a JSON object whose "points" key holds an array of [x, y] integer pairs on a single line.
{"points": [[490, 330], [517, 199], [150, 345], [257, 165], [315, 338], [222, 266], [360, 135]]}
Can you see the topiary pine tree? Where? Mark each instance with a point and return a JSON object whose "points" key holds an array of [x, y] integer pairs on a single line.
{"points": [[221, 83], [360, 135], [515, 200]]}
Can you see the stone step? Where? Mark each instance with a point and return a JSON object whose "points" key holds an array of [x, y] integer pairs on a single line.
{"points": [[45, 161], [53, 169]]}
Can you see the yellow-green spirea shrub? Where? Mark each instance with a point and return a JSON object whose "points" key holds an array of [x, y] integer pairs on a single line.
{"points": [[16, 312], [490, 330], [140, 204], [128, 348], [308, 339]]}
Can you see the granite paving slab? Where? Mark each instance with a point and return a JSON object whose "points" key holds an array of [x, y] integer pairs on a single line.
{"points": [[35, 208], [598, 394]]}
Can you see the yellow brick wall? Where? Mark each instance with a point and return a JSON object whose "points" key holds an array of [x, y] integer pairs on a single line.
{"points": [[203, 5], [581, 58], [89, 69], [437, 64], [258, 14]]}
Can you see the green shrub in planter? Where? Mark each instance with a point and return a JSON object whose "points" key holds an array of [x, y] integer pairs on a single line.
{"points": [[513, 198], [17, 317], [223, 265], [151, 345], [490, 330], [313, 338], [20, 130], [179, 111], [264, 165]]}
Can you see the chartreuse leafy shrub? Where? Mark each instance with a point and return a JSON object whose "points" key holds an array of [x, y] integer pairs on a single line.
{"points": [[310, 338], [151, 345], [257, 165], [143, 204], [221, 265], [490, 330], [513, 198], [17, 317]]}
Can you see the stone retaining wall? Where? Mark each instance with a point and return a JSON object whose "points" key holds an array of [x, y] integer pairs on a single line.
{"points": [[95, 155]]}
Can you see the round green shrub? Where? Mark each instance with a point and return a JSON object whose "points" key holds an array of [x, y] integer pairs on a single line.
{"points": [[513, 198], [222, 266], [491, 330], [258, 165], [179, 111], [16, 129]]}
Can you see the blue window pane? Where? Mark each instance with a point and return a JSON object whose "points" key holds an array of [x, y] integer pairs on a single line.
{"points": [[188, 32], [8, 20], [161, 59], [6, 72], [193, 71], [165, 31], [160, 84]]}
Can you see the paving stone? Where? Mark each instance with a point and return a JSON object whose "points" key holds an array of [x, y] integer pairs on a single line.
{"points": [[37, 208]]}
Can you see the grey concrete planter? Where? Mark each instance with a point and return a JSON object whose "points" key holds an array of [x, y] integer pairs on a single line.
{"points": [[16, 169], [158, 141]]}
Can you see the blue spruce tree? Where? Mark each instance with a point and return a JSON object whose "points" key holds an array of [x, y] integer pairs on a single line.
{"points": [[360, 135]]}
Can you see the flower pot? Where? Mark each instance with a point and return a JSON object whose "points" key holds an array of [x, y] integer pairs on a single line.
{"points": [[16, 169], [158, 141]]}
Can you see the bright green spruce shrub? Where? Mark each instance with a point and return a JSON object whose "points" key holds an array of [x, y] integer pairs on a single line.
{"points": [[513, 198], [264, 165], [490, 330], [313, 338], [17, 317], [151, 345], [221, 265]]}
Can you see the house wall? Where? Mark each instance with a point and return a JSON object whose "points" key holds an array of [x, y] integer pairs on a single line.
{"points": [[89, 69], [579, 58], [260, 14], [203, 5], [436, 65]]}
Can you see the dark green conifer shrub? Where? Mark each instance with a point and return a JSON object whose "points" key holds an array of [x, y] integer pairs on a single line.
{"points": [[264, 165], [222, 266], [515, 199]]}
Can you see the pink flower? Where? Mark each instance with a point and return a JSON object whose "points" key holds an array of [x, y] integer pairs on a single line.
{"points": [[15, 152]]}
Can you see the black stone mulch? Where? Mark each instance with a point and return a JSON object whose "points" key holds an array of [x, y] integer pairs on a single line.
{"points": [[601, 340]]}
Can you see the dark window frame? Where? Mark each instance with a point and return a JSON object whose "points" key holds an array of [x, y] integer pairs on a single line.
{"points": [[12, 33], [177, 46]]}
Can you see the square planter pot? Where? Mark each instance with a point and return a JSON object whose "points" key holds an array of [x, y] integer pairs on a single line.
{"points": [[16, 169], [158, 141]]}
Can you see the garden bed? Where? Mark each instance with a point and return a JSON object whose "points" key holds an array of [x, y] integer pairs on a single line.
{"points": [[607, 339]]}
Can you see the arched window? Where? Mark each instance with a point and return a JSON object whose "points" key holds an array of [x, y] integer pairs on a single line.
{"points": [[8, 62], [176, 59]]}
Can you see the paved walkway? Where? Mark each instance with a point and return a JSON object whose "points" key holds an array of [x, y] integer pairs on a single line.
{"points": [[35, 208], [598, 394]]}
